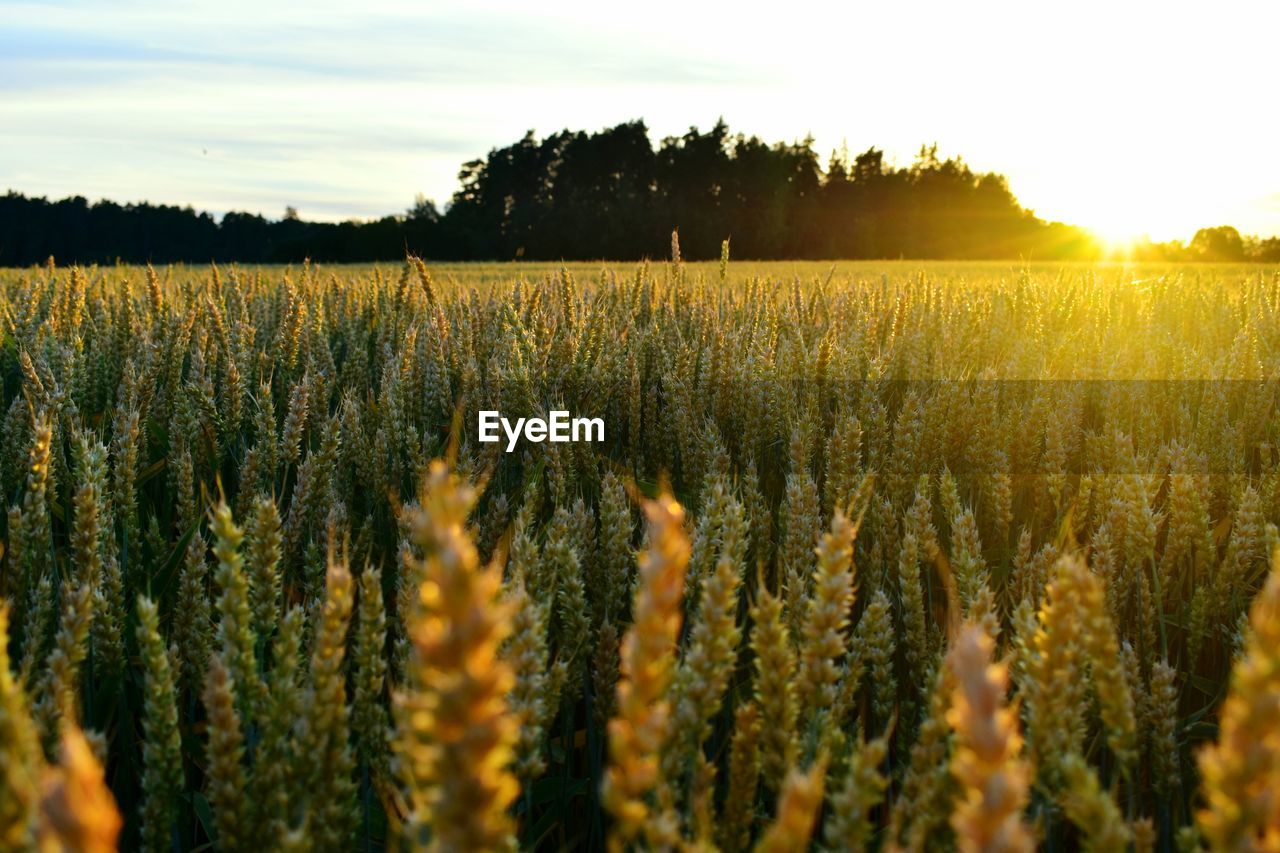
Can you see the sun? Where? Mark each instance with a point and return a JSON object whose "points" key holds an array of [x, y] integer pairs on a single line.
{"points": [[1117, 240], [1120, 211], [1120, 229]]}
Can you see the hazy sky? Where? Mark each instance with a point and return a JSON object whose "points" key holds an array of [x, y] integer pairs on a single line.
{"points": [[1128, 117]]}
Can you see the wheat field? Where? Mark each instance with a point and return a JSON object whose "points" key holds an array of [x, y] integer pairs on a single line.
{"points": [[872, 556]]}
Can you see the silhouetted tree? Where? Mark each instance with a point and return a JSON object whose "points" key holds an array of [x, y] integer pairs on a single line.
{"points": [[1222, 243], [1267, 251], [613, 194], [424, 209]]}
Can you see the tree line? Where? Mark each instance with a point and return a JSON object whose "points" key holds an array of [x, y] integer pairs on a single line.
{"points": [[613, 194]]}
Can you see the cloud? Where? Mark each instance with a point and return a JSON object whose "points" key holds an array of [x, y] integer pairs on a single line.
{"points": [[445, 46]]}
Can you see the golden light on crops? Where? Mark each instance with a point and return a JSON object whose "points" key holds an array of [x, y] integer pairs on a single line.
{"points": [[920, 540]]}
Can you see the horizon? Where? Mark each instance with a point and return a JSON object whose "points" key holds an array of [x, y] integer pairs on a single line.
{"points": [[1146, 120]]}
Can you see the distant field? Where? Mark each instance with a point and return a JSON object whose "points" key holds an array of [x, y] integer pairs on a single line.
{"points": [[483, 274], [863, 542]]}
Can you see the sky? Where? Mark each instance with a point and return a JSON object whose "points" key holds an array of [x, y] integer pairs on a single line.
{"points": [[1126, 117]]}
